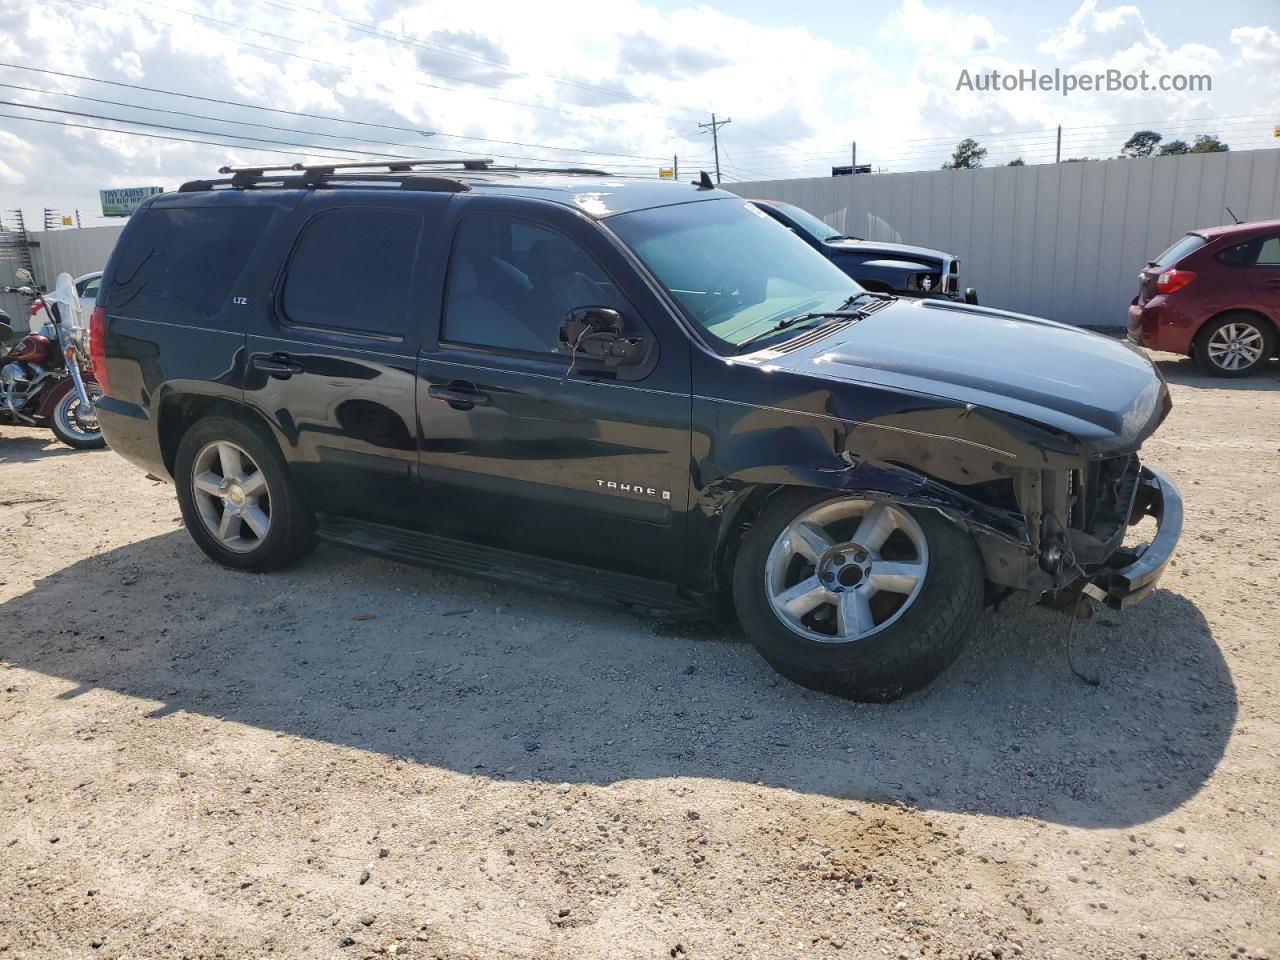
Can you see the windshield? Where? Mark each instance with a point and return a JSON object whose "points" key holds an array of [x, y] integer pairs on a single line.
{"points": [[733, 269], [807, 222]]}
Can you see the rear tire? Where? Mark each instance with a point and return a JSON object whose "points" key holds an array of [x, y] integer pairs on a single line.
{"points": [[912, 634], [238, 497], [1234, 345]]}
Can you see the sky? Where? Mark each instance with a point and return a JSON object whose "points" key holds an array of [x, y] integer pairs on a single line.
{"points": [[621, 85]]}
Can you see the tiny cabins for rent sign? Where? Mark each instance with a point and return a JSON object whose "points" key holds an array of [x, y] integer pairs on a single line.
{"points": [[122, 201]]}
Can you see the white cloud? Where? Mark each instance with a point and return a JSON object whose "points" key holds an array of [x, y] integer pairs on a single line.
{"points": [[941, 29], [1257, 45], [621, 85]]}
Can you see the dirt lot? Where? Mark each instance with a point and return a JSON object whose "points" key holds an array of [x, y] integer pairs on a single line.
{"points": [[200, 763]]}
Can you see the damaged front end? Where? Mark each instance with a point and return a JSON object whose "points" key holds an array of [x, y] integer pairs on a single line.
{"points": [[1077, 521]]}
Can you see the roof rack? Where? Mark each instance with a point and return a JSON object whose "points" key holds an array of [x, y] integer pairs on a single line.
{"points": [[403, 171], [395, 164]]}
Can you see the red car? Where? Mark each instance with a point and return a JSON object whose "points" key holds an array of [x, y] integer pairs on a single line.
{"points": [[1214, 295]]}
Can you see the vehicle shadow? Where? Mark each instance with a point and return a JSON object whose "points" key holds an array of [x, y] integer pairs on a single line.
{"points": [[1186, 372], [476, 678], [28, 449]]}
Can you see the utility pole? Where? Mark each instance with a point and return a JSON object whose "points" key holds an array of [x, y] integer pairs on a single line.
{"points": [[714, 126], [853, 158], [1058, 157], [675, 166]]}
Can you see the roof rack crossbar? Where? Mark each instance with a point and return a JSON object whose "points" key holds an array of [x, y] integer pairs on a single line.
{"points": [[397, 164]]}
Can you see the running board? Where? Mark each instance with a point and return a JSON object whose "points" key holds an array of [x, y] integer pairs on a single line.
{"points": [[639, 594]]}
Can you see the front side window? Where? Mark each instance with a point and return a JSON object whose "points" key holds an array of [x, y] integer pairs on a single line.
{"points": [[818, 229], [90, 289], [733, 269], [352, 270], [512, 282]]}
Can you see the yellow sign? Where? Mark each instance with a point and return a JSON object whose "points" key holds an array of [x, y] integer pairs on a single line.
{"points": [[1277, 133], [667, 173], [66, 220]]}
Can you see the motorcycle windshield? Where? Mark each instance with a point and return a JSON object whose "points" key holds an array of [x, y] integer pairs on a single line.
{"points": [[68, 303]]}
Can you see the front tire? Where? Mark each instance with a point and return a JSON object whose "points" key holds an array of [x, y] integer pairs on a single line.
{"points": [[1234, 345], [238, 497], [864, 599], [75, 426]]}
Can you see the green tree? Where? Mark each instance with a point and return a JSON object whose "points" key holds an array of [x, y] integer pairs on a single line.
{"points": [[1174, 148], [1208, 143], [1017, 162], [1141, 144], [968, 155]]}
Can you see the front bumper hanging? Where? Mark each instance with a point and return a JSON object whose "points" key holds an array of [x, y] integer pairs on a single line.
{"points": [[1133, 572]]}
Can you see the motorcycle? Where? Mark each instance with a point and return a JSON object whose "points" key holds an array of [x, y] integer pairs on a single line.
{"points": [[45, 378]]}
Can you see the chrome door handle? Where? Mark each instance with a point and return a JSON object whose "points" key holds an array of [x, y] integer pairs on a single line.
{"points": [[279, 365], [459, 395]]}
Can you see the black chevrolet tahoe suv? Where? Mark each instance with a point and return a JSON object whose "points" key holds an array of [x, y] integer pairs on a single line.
{"points": [[637, 391]]}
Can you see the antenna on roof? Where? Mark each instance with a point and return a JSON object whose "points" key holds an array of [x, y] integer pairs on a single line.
{"points": [[1232, 215], [703, 182]]}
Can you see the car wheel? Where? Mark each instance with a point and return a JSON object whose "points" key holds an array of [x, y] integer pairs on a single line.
{"points": [[866, 599], [238, 498], [1234, 345], [77, 425]]}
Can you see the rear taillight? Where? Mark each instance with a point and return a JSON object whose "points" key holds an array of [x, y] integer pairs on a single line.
{"points": [[1173, 280], [98, 346]]}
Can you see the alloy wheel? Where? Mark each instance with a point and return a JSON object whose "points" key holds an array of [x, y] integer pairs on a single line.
{"points": [[231, 495], [1235, 346], [846, 569]]}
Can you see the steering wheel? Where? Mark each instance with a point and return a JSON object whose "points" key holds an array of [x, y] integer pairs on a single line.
{"points": [[727, 282]]}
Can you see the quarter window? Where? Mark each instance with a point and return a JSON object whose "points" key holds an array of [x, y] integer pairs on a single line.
{"points": [[1269, 253], [511, 283], [352, 271], [178, 264]]}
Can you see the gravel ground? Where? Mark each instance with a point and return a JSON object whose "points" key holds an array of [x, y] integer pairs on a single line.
{"points": [[354, 758]]}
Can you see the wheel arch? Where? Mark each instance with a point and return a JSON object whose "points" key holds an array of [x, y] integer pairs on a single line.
{"points": [[1249, 312], [1007, 554], [179, 412]]}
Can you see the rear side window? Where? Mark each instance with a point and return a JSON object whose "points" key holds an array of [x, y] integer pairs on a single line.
{"points": [[1180, 249], [179, 263], [1258, 252], [352, 270]]}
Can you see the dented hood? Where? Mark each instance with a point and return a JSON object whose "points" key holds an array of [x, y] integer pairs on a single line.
{"points": [[1099, 390]]}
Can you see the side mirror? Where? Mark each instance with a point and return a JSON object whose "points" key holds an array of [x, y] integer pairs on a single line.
{"points": [[597, 333], [24, 278]]}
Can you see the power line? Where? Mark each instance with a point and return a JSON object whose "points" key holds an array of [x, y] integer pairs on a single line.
{"points": [[155, 136], [344, 68], [1159, 126], [165, 126], [245, 123], [315, 116], [400, 37]]}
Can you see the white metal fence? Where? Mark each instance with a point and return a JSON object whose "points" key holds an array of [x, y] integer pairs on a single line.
{"points": [[52, 251], [1064, 241]]}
